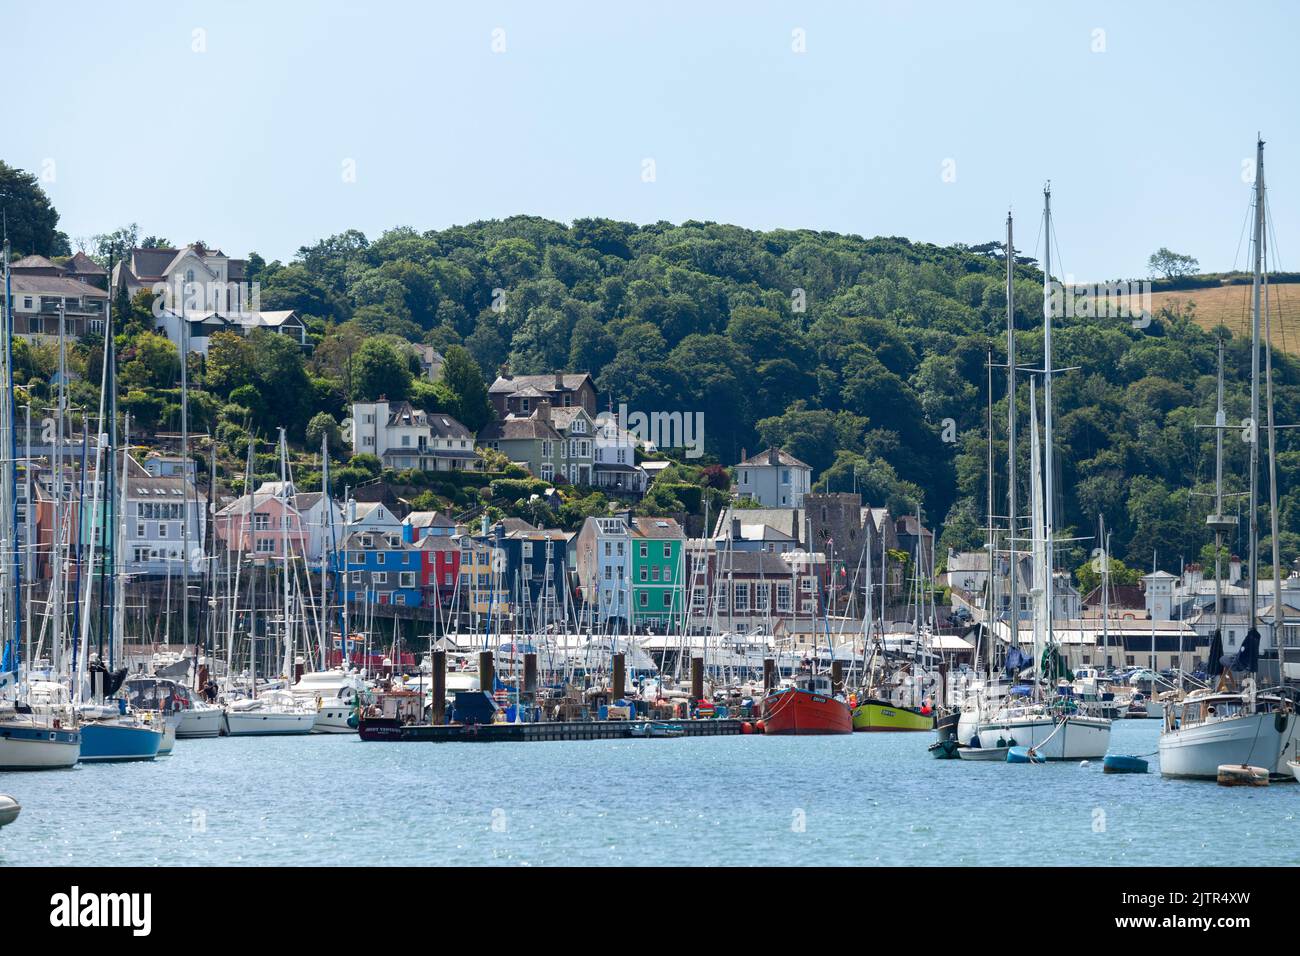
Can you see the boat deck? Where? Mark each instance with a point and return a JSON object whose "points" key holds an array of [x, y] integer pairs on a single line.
{"points": [[544, 730]]}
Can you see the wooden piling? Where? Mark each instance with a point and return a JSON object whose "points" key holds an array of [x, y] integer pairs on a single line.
{"points": [[486, 672], [616, 691], [530, 675], [439, 677], [697, 679], [837, 677], [769, 674]]}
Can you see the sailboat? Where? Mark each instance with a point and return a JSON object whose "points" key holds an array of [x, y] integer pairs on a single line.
{"points": [[1233, 724], [1048, 726], [29, 740]]}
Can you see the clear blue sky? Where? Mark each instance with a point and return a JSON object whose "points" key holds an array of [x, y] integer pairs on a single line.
{"points": [[243, 145]]}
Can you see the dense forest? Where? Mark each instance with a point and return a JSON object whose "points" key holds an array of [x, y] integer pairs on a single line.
{"points": [[866, 358]]}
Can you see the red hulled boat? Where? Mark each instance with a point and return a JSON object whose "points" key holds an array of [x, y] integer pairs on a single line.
{"points": [[807, 708]]}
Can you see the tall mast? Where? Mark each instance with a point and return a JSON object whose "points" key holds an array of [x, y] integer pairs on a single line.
{"points": [[1220, 523], [1254, 387], [1048, 497], [1014, 617], [1279, 608]]}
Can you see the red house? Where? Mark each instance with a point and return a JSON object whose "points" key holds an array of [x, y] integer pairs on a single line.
{"points": [[439, 569]]}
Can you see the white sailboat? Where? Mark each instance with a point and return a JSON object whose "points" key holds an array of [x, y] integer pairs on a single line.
{"points": [[1052, 728], [1233, 724]]}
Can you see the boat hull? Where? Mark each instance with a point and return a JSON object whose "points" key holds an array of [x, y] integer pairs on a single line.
{"points": [[992, 754], [262, 723], [169, 724], [1197, 752], [199, 722], [108, 742], [878, 716], [33, 747], [333, 719], [801, 712], [1082, 738], [1294, 766]]}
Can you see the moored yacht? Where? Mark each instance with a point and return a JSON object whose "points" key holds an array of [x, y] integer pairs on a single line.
{"points": [[333, 693], [31, 741], [1213, 728], [271, 713]]}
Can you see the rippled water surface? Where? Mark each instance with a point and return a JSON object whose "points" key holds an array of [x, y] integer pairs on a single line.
{"points": [[864, 798]]}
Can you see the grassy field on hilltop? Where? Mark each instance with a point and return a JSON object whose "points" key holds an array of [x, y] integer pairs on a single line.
{"points": [[1229, 306]]}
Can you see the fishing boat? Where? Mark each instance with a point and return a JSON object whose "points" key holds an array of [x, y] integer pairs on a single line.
{"points": [[808, 707], [657, 730], [882, 716]]}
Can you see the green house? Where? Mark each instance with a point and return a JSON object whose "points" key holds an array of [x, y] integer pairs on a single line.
{"points": [[658, 570]]}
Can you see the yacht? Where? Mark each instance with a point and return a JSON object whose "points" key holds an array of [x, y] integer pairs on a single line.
{"points": [[191, 718], [333, 694], [33, 741], [271, 713], [1211, 728]]}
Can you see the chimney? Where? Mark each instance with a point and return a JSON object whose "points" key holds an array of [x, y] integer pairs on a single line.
{"points": [[504, 371], [773, 456], [735, 529], [543, 411], [1234, 569], [559, 381]]}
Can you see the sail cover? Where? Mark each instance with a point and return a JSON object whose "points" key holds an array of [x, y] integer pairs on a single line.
{"points": [[1248, 656], [1215, 661]]}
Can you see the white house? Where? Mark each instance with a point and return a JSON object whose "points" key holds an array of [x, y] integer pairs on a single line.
{"points": [[402, 436], [604, 563], [774, 478], [615, 463]]}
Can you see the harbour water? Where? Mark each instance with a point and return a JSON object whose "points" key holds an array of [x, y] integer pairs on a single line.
{"points": [[859, 800]]}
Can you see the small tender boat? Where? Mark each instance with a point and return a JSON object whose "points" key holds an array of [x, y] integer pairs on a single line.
{"points": [[1241, 775], [657, 730], [983, 753], [946, 749], [1024, 755], [9, 809], [1121, 763], [807, 708], [1295, 769]]}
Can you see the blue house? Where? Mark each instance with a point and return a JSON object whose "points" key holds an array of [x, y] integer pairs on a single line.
{"points": [[382, 568], [536, 570]]}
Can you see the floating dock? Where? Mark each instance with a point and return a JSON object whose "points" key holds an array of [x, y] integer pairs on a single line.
{"points": [[390, 730]]}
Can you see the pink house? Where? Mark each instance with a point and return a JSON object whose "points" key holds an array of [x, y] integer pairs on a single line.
{"points": [[262, 524]]}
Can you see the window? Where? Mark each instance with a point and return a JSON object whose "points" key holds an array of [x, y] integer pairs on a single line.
{"points": [[697, 599], [668, 550], [265, 546], [399, 598], [609, 548], [356, 577], [654, 572], [668, 599], [645, 598], [379, 577], [644, 576], [762, 597], [406, 579], [609, 573], [783, 598], [742, 597], [548, 472], [162, 531], [645, 551], [379, 557], [528, 550], [261, 522]]}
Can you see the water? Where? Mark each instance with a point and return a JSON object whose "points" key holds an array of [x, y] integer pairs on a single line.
{"points": [[860, 799]]}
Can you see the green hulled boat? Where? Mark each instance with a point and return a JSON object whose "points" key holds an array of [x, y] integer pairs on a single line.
{"points": [[878, 715]]}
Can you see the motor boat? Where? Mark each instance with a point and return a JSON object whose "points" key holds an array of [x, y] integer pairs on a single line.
{"points": [[333, 693], [1212, 728]]}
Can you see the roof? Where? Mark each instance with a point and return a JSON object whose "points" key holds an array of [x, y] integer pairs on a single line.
{"points": [[428, 519], [786, 520], [760, 563], [514, 429], [34, 262], [1121, 596], [55, 285], [82, 264], [655, 528], [510, 384], [444, 426], [762, 532], [563, 417], [783, 458]]}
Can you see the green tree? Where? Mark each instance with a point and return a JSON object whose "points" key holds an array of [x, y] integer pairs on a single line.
{"points": [[462, 376], [379, 369], [31, 219]]}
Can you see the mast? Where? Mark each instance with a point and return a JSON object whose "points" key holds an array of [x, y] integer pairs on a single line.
{"points": [[1279, 608], [185, 491], [1220, 523], [1048, 497], [1254, 390], [1014, 616]]}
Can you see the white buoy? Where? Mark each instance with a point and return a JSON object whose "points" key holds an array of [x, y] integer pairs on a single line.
{"points": [[1241, 775], [9, 809], [1084, 763]]}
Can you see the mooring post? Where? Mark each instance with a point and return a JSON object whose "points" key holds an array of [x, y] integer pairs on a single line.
{"points": [[837, 677], [486, 673], [697, 680], [530, 676], [616, 691], [439, 686], [769, 674]]}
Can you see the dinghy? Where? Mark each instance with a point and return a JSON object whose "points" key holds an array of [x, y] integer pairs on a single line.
{"points": [[1121, 763], [1241, 775], [1295, 769], [9, 809], [1024, 755], [983, 753]]}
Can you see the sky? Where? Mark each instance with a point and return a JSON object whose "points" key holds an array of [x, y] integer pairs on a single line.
{"points": [[267, 126]]}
